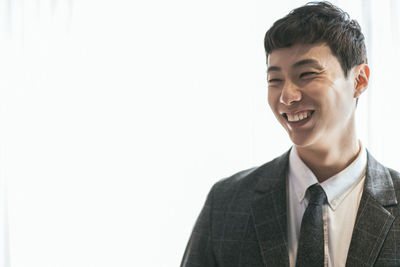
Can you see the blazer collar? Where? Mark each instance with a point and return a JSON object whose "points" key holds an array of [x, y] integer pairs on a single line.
{"points": [[379, 183], [374, 218], [373, 221], [269, 211]]}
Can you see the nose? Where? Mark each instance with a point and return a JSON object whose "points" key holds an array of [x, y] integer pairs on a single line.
{"points": [[290, 93]]}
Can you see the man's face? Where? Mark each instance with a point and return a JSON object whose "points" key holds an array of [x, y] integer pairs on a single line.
{"points": [[309, 94]]}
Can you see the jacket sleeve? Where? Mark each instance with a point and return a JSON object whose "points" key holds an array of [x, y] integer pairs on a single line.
{"points": [[199, 251]]}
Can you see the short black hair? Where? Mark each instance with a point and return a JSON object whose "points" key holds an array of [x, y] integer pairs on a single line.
{"points": [[320, 22]]}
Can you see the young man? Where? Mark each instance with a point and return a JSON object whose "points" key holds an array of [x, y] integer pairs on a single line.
{"points": [[327, 201]]}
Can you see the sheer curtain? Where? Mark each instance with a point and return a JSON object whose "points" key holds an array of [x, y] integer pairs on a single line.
{"points": [[116, 117], [384, 92]]}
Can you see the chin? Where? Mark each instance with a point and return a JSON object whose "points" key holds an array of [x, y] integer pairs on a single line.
{"points": [[301, 140]]}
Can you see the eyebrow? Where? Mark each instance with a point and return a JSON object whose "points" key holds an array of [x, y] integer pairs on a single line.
{"points": [[298, 64], [273, 68], [307, 62]]}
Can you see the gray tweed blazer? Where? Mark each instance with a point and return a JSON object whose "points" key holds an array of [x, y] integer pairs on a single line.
{"points": [[244, 220]]}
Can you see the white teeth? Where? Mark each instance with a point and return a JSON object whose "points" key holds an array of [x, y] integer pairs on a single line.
{"points": [[299, 116]]}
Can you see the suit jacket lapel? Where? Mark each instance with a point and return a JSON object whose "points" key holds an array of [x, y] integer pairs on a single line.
{"points": [[269, 212], [373, 220]]}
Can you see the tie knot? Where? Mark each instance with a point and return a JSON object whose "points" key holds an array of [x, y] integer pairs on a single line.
{"points": [[317, 194]]}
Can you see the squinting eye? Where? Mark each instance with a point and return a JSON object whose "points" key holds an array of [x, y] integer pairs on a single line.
{"points": [[307, 74], [274, 80]]}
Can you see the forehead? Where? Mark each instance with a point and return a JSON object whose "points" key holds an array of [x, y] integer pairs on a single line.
{"points": [[288, 57]]}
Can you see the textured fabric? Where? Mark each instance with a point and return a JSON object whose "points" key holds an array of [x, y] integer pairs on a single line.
{"points": [[244, 220], [343, 191], [311, 243]]}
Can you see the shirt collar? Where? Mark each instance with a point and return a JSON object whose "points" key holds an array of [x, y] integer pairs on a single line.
{"points": [[336, 187]]}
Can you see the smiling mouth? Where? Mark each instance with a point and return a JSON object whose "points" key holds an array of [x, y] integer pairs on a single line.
{"points": [[299, 116]]}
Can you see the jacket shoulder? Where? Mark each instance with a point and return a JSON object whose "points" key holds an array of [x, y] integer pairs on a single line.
{"points": [[247, 179], [237, 190]]}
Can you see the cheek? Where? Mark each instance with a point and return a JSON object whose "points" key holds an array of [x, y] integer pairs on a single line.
{"points": [[273, 98], [337, 103], [343, 97]]}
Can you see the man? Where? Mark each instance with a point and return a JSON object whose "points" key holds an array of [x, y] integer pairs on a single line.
{"points": [[327, 201]]}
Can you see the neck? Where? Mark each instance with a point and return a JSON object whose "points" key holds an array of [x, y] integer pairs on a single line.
{"points": [[326, 161]]}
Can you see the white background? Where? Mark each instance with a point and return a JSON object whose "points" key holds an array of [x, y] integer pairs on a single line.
{"points": [[116, 117]]}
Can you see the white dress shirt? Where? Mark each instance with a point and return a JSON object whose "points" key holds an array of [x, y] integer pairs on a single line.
{"points": [[343, 192]]}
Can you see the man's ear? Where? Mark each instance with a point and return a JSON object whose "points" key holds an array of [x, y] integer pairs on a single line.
{"points": [[361, 79]]}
